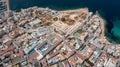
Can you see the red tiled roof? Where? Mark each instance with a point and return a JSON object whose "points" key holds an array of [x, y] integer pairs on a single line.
{"points": [[11, 48], [54, 54], [104, 56], [66, 64], [80, 56], [8, 43], [92, 47], [72, 60], [13, 27], [33, 55]]}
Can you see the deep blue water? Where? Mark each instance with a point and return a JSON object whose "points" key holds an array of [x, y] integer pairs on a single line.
{"points": [[109, 10]]}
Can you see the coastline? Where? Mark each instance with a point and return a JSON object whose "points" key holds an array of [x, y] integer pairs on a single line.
{"points": [[74, 10], [104, 31], [62, 5], [103, 22], [38, 31], [81, 9], [86, 9]]}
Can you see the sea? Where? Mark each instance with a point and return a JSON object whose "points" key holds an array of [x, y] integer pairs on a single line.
{"points": [[108, 9]]}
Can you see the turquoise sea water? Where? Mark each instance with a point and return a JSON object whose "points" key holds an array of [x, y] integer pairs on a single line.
{"points": [[109, 10], [115, 31]]}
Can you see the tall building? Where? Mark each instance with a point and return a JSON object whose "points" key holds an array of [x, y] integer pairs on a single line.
{"points": [[4, 5]]}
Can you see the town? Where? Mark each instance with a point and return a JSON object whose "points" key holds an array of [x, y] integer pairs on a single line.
{"points": [[42, 37]]}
